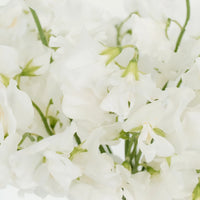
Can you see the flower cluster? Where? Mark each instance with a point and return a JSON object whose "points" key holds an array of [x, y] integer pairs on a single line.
{"points": [[100, 99]]}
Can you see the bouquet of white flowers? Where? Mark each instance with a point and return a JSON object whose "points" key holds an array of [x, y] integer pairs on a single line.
{"points": [[100, 99]]}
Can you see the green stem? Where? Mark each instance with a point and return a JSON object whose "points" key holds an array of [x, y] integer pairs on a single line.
{"points": [[44, 120], [129, 46], [30, 136], [169, 20], [177, 23], [134, 152], [136, 51], [184, 26], [126, 146], [119, 27], [131, 143], [136, 164]]}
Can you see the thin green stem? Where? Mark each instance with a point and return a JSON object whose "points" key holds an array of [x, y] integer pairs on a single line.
{"points": [[177, 23], [184, 26], [131, 142], [136, 164], [24, 137], [119, 27], [136, 51], [169, 20], [129, 46], [44, 120], [134, 152], [126, 147], [30, 136]]}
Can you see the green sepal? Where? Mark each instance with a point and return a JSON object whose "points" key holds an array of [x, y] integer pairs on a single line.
{"points": [[52, 121], [77, 138], [157, 70], [102, 149], [25, 135], [39, 138], [137, 129], [44, 159], [179, 83], [165, 86], [129, 31], [78, 149], [168, 159], [196, 192], [26, 12], [123, 135], [55, 48], [51, 60], [150, 169], [123, 197], [29, 70], [5, 80], [47, 34], [5, 136], [159, 132]]}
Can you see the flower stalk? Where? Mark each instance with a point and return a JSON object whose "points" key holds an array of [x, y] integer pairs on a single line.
{"points": [[178, 42]]}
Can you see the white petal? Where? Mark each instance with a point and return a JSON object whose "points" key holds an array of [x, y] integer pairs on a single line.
{"points": [[21, 105]]}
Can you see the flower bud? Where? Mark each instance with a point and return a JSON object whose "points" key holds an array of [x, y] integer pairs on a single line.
{"points": [[127, 165], [132, 68], [112, 53]]}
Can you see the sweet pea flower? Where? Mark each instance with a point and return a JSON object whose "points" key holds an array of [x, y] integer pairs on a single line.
{"points": [[152, 145]]}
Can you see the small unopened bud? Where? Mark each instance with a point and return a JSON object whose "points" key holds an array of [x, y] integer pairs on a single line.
{"points": [[127, 165], [132, 68], [112, 53]]}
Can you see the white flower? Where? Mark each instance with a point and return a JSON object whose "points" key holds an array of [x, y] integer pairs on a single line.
{"points": [[164, 113], [14, 106], [152, 145], [127, 96], [7, 119], [46, 164], [178, 179], [7, 148], [21, 106]]}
